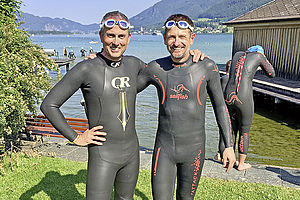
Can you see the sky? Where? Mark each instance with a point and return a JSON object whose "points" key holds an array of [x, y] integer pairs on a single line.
{"points": [[84, 11]]}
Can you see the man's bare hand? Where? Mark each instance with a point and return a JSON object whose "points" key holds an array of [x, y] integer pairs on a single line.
{"points": [[90, 56], [91, 136], [197, 55], [228, 158]]}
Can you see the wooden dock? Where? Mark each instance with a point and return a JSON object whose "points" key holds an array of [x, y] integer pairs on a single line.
{"points": [[64, 62]]}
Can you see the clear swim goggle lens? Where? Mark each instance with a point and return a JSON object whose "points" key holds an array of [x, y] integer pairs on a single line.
{"points": [[180, 24], [111, 23]]}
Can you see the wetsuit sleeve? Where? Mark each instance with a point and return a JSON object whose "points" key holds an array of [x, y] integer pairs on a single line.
{"points": [[143, 79], [267, 67], [59, 94], [216, 96]]}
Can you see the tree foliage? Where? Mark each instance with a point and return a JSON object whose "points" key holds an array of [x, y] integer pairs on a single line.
{"points": [[23, 75]]}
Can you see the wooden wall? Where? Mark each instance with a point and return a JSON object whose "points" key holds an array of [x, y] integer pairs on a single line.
{"points": [[280, 40]]}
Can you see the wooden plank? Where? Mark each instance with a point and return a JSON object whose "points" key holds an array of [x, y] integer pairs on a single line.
{"points": [[279, 96], [40, 125]]}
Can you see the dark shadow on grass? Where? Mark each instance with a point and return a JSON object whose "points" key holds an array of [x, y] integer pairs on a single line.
{"points": [[58, 186], [285, 175], [138, 193]]}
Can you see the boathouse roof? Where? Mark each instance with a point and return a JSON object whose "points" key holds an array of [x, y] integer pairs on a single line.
{"points": [[272, 11]]}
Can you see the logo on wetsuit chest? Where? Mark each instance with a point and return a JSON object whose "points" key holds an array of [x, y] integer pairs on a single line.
{"points": [[120, 82], [180, 92]]}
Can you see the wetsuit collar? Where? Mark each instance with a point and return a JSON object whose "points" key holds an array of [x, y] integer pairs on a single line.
{"points": [[110, 63], [182, 64]]}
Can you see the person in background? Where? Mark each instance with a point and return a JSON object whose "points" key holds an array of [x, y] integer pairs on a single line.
{"points": [[238, 96], [82, 51], [91, 51], [65, 51], [71, 54], [224, 80]]}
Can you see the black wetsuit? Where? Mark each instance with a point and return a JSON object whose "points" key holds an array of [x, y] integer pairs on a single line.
{"points": [[109, 90], [180, 139], [239, 94]]}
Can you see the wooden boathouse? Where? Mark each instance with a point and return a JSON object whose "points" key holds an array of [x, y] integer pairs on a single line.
{"points": [[276, 27]]}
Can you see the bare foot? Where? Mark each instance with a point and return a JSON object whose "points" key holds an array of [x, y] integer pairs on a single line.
{"points": [[243, 166], [217, 157]]}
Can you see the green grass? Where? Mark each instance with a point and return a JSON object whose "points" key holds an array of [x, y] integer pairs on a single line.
{"points": [[42, 178]]}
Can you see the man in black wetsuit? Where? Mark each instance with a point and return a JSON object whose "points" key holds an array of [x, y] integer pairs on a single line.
{"points": [[239, 96], [182, 87], [108, 84]]}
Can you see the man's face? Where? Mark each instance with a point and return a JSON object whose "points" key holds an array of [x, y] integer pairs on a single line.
{"points": [[178, 43], [115, 41]]}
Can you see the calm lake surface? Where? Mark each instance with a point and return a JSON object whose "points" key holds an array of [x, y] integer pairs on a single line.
{"points": [[147, 48]]}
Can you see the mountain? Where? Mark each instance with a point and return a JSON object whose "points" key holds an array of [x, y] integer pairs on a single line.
{"points": [[35, 23], [226, 9], [159, 12]]}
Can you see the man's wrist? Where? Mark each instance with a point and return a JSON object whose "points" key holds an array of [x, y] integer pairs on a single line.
{"points": [[74, 141]]}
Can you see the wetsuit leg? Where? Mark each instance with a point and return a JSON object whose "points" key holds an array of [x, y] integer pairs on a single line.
{"points": [[163, 175], [126, 179], [100, 176], [188, 175], [245, 124]]}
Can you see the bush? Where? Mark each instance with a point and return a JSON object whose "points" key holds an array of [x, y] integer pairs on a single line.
{"points": [[23, 75]]}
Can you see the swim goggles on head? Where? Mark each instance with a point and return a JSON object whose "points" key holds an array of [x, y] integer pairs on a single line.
{"points": [[180, 24], [111, 23]]}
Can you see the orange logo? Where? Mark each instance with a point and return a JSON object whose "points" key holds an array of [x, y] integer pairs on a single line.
{"points": [[181, 92]]}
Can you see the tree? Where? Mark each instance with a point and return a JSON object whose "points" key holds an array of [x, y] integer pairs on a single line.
{"points": [[23, 75]]}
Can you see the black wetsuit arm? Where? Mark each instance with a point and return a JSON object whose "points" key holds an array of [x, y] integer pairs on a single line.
{"points": [[143, 79], [216, 96], [267, 67], [60, 93]]}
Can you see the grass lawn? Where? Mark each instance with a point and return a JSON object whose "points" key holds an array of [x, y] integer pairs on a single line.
{"points": [[39, 177]]}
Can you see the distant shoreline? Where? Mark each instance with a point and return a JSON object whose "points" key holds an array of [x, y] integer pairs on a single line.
{"points": [[96, 33]]}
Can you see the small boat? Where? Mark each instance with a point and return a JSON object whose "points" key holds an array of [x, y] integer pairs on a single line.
{"points": [[93, 42]]}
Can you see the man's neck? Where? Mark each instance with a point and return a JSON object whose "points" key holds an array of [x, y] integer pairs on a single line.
{"points": [[109, 62], [180, 60]]}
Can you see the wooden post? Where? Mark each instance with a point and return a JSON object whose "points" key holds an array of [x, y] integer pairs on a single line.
{"points": [[67, 67]]}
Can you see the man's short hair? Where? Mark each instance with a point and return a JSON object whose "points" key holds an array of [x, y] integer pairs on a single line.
{"points": [[116, 13], [180, 17]]}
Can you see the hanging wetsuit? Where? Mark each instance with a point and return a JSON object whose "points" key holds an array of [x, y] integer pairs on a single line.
{"points": [[239, 94], [109, 89], [180, 139]]}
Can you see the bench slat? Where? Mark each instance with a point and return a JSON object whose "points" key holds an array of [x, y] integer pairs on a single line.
{"points": [[39, 125]]}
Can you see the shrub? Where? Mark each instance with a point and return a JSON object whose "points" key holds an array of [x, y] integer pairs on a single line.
{"points": [[23, 75]]}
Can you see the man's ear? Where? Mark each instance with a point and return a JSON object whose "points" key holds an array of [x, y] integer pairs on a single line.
{"points": [[165, 39], [100, 34], [192, 38]]}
